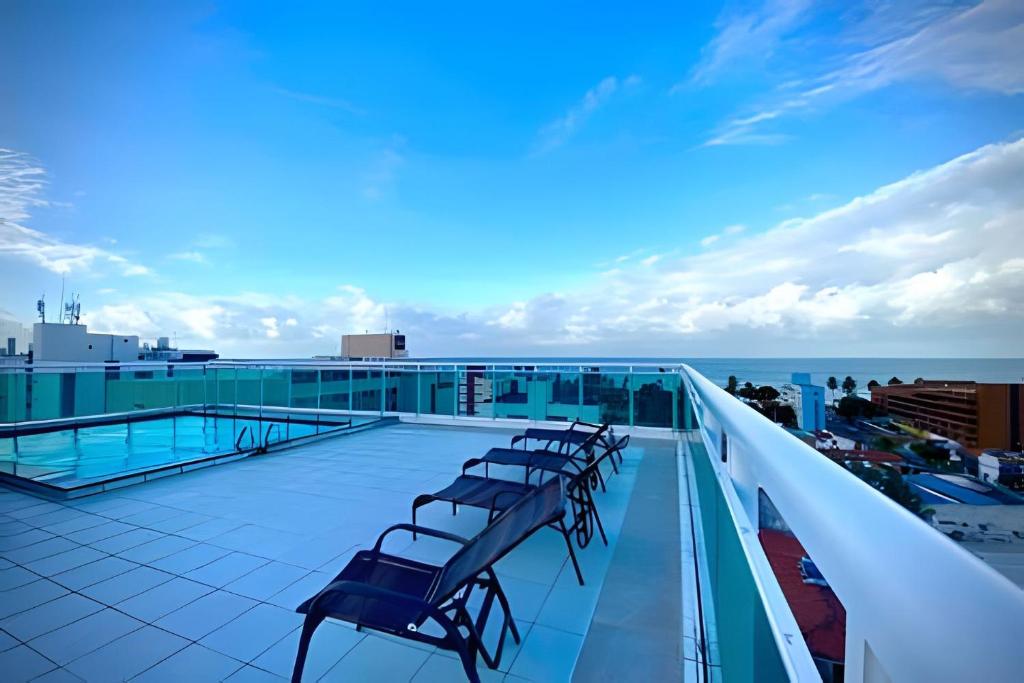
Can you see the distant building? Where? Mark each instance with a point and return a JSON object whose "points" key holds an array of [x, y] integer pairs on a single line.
{"points": [[163, 351], [972, 414], [14, 338], [367, 346], [1002, 467], [808, 401], [75, 344]]}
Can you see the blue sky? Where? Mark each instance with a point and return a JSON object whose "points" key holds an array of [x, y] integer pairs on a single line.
{"points": [[762, 178]]}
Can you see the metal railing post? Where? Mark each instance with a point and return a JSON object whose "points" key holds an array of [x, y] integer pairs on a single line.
{"points": [[629, 390], [419, 388]]}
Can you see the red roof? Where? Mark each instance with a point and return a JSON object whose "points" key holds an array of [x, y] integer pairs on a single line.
{"points": [[819, 614]]}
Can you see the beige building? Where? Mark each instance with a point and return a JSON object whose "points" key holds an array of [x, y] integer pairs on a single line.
{"points": [[386, 345], [74, 343]]}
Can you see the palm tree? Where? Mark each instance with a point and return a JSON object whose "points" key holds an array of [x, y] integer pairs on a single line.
{"points": [[895, 380], [849, 385], [731, 386], [832, 385], [873, 383]]}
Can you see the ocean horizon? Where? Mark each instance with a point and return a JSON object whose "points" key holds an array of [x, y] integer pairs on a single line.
{"points": [[778, 371]]}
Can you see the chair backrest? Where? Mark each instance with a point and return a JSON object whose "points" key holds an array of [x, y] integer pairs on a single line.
{"points": [[580, 492], [535, 509]]}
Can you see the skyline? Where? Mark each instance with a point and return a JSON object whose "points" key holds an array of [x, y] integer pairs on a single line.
{"points": [[767, 179]]}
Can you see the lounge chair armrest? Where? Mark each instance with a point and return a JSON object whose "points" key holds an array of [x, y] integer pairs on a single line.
{"points": [[516, 439], [497, 497], [425, 530], [471, 463]]}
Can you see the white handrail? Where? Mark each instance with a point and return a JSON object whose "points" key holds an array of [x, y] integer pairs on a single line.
{"points": [[919, 607]]}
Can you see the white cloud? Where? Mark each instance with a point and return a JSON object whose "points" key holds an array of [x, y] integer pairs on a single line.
{"points": [[557, 133], [930, 265], [382, 174], [974, 48], [190, 256], [725, 232], [22, 181]]}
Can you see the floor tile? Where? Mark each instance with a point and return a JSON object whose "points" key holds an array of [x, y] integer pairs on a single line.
{"points": [[28, 596], [79, 523], [38, 551], [124, 586], [84, 636], [207, 530], [378, 659], [294, 595], [252, 632], [58, 676], [206, 614], [225, 570], [440, 669], [49, 616], [94, 572], [330, 643], [28, 537], [267, 580], [16, 576], [569, 608], [99, 532], [193, 664], [191, 558], [129, 539], [62, 562], [7, 641], [547, 655], [163, 599], [23, 664], [147, 553], [127, 656], [250, 674]]}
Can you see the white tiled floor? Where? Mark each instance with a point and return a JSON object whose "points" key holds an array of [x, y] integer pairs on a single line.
{"points": [[196, 576]]}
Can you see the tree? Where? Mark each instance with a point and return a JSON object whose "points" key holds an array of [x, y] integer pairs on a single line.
{"points": [[872, 384], [889, 482], [849, 385], [731, 386], [919, 380], [832, 385], [895, 380]]}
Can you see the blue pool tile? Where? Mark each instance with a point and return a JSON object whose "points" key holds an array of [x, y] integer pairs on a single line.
{"points": [[253, 632], [88, 574], [124, 586], [49, 616], [23, 664], [330, 643], [127, 656], [85, 635], [163, 599], [195, 664], [205, 614]]}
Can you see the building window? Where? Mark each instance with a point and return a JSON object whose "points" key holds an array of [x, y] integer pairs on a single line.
{"points": [[90, 347]]}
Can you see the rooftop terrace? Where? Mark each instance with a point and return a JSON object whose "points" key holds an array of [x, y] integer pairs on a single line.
{"points": [[192, 540], [196, 576]]}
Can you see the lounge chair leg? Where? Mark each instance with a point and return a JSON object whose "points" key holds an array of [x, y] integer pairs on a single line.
{"points": [[503, 601], [308, 626], [597, 520], [455, 509], [572, 553]]}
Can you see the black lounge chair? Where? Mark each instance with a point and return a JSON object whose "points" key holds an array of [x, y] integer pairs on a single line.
{"points": [[584, 436], [496, 494], [397, 595], [570, 459]]}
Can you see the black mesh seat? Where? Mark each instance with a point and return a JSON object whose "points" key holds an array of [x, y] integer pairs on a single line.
{"points": [[397, 595], [579, 440], [390, 572], [496, 494]]}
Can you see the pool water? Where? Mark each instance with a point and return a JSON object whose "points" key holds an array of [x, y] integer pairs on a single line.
{"points": [[110, 450]]}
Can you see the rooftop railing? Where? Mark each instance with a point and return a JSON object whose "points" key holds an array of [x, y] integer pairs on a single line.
{"points": [[918, 606]]}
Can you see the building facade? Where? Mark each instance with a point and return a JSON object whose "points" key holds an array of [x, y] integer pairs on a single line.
{"points": [[972, 414], [75, 344], [14, 338], [808, 401]]}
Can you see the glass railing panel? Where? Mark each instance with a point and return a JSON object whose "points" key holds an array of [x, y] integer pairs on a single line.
{"points": [[437, 392], [562, 396], [192, 387], [247, 390], [476, 392], [401, 391], [366, 390], [45, 398], [12, 397], [746, 645], [276, 387], [510, 390], [225, 394], [303, 390], [607, 394], [335, 388], [654, 399], [90, 393]]}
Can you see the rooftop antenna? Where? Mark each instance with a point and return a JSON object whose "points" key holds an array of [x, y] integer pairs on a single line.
{"points": [[72, 310], [41, 307]]}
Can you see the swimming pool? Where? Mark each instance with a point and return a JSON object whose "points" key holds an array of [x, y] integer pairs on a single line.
{"points": [[71, 456]]}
